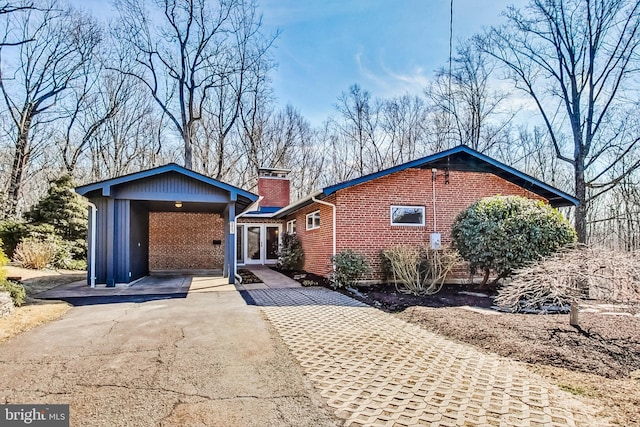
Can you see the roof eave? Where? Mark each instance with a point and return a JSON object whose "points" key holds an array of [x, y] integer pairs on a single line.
{"points": [[299, 204]]}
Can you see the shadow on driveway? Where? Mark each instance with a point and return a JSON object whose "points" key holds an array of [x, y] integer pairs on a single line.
{"points": [[150, 288]]}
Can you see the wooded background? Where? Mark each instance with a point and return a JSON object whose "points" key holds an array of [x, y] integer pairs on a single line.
{"points": [[188, 81]]}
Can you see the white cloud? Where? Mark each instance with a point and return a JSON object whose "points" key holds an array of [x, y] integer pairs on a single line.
{"points": [[383, 81]]}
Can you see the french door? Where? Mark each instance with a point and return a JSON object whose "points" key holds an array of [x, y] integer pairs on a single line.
{"points": [[258, 243]]}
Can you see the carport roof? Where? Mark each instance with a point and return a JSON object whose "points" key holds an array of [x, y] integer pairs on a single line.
{"points": [[245, 198]]}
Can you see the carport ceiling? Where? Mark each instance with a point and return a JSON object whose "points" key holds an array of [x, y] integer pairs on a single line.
{"points": [[162, 206]]}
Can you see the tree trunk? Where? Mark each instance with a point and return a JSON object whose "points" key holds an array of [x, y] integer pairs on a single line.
{"points": [[20, 161], [188, 149], [581, 195]]}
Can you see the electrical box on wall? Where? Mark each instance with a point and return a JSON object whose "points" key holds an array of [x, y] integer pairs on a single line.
{"points": [[436, 241]]}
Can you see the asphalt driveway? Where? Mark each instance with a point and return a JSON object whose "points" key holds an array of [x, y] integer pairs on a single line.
{"points": [[207, 359]]}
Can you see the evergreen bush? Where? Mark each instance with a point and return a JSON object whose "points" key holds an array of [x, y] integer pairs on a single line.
{"points": [[291, 254], [349, 267], [15, 290], [504, 233]]}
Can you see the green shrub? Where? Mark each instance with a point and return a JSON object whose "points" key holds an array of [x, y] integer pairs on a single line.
{"points": [[3, 261], [75, 264], [11, 233], [36, 254], [291, 254], [503, 233], [349, 266], [16, 291]]}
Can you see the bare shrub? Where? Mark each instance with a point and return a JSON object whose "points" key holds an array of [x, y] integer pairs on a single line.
{"points": [[419, 270], [34, 253], [573, 275]]}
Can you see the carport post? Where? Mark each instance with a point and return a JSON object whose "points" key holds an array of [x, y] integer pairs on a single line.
{"points": [[231, 242]]}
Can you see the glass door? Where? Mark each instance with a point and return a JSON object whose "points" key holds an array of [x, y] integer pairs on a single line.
{"points": [[273, 243], [258, 243], [254, 244]]}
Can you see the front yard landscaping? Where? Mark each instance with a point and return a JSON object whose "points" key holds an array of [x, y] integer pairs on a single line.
{"points": [[599, 361], [36, 312]]}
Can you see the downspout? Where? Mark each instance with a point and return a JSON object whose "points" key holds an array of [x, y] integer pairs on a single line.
{"points": [[434, 172], [334, 225], [235, 241], [92, 246]]}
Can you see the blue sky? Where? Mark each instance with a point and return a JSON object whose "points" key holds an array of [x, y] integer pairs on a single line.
{"points": [[388, 47]]}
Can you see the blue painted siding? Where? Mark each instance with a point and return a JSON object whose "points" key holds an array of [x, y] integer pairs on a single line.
{"points": [[170, 186]]}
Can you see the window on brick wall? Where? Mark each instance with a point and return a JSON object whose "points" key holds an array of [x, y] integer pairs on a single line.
{"points": [[291, 227], [407, 215], [313, 220]]}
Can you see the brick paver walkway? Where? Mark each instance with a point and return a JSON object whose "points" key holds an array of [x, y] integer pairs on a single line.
{"points": [[377, 370]]}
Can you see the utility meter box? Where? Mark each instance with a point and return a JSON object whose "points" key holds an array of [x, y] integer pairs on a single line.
{"points": [[436, 241]]}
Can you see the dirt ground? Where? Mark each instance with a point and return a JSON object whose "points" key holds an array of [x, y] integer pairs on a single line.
{"points": [[36, 312], [601, 360]]}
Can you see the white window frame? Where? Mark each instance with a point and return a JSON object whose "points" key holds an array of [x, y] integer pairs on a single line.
{"points": [[404, 224], [315, 221], [291, 226]]}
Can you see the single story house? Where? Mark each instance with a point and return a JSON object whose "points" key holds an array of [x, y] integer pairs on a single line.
{"points": [[172, 219]]}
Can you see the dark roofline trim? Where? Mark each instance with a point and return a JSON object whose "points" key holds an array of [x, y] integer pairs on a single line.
{"points": [[171, 167], [327, 191], [459, 149]]}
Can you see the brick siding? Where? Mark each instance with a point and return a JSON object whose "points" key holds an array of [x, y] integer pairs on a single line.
{"points": [[318, 243], [363, 213], [363, 219], [275, 191], [183, 240]]}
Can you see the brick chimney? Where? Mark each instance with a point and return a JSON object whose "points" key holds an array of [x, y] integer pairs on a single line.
{"points": [[274, 187]]}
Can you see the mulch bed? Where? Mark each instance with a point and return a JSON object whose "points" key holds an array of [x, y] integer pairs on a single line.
{"points": [[304, 278], [248, 277]]}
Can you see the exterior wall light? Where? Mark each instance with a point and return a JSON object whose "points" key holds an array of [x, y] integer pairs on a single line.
{"points": [[178, 204]]}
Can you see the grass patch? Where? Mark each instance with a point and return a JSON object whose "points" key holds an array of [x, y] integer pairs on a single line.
{"points": [[572, 389], [36, 312], [29, 317]]}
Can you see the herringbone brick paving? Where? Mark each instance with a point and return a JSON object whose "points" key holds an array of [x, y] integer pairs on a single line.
{"points": [[374, 369]]}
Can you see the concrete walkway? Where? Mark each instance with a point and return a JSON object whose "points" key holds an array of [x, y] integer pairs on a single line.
{"points": [[374, 369], [204, 360]]}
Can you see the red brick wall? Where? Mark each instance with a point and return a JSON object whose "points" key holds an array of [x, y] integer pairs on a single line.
{"points": [[318, 243], [363, 220], [182, 240], [275, 191]]}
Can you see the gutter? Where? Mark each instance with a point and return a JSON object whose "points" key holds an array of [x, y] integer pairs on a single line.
{"points": [[295, 205], [249, 208], [313, 198]]}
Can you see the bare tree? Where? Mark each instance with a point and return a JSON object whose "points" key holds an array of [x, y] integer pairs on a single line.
{"points": [[8, 8], [404, 120], [62, 42], [131, 138], [577, 60], [473, 110], [358, 129], [189, 54]]}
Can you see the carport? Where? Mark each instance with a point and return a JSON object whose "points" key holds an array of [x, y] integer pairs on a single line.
{"points": [[166, 219]]}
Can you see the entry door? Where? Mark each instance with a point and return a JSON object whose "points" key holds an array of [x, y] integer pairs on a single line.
{"points": [[253, 244], [260, 243], [272, 243]]}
